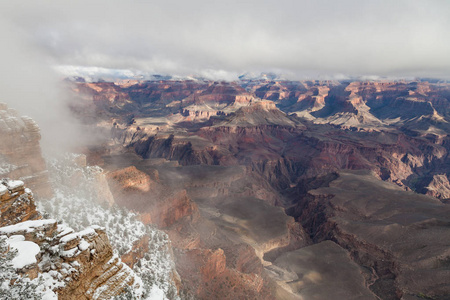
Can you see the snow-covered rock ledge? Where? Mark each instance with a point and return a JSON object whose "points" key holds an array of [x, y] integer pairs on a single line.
{"points": [[53, 260]]}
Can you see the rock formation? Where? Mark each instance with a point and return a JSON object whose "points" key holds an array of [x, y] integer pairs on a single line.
{"points": [[439, 187], [73, 265], [16, 203], [135, 190], [20, 152], [80, 200]]}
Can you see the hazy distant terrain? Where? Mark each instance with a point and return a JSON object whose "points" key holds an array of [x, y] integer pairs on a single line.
{"points": [[244, 168]]}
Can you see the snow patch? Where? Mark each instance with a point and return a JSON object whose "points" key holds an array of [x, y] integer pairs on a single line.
{"points": [[27, 226], [3, 189], [68, 238], [14, 184], [83, 245], [87, 232], [26, 251], [49, 295], [64, 230], [96, 227], [156, 294], [70, 253]]}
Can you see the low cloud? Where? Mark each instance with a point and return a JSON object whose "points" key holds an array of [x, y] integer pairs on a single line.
{"points": [[29, 85], [300, 38]]}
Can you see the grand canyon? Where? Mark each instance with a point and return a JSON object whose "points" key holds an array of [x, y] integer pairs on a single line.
{"points": [[236, 150], [259, 189]]}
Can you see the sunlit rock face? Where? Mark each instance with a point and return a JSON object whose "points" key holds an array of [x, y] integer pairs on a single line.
{"points": [[439, 187], [20, 151], [135, 190]]}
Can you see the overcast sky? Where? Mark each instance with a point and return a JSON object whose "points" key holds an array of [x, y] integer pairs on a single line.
{"points": [[228, 38]]}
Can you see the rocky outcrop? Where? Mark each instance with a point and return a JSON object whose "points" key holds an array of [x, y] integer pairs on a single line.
{"points": [[366, 114], [74, 265], [16, 203], [439, 187], [20, 152], [215, 279], [156, 204], [169, 210], [130, 179], [362, 105], [144, 248], [76, 178], [207, 259]]}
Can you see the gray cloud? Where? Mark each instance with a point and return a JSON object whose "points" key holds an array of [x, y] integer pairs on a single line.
{"points": [[300, 38], [29, 85]]}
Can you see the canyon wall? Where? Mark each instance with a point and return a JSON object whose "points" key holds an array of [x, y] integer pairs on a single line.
{"points": [[20, 151]]}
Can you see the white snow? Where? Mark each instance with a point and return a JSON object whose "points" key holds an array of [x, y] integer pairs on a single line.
{"points": [[87, 232], [64, 230], [5, 167], [156, 294], [27, 226], [68, 238], [49, 295], [70, 253], [3, 189], [75, 264], [83, 245], [51, 281], [96, 227], [26, 251], [14, 184]]}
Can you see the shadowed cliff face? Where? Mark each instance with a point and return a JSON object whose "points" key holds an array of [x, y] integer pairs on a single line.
{"points": [[399, 237], [227, 166]]}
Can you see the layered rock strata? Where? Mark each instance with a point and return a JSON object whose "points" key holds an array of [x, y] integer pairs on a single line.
{"points": [[16, 203], [74, 265]]}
